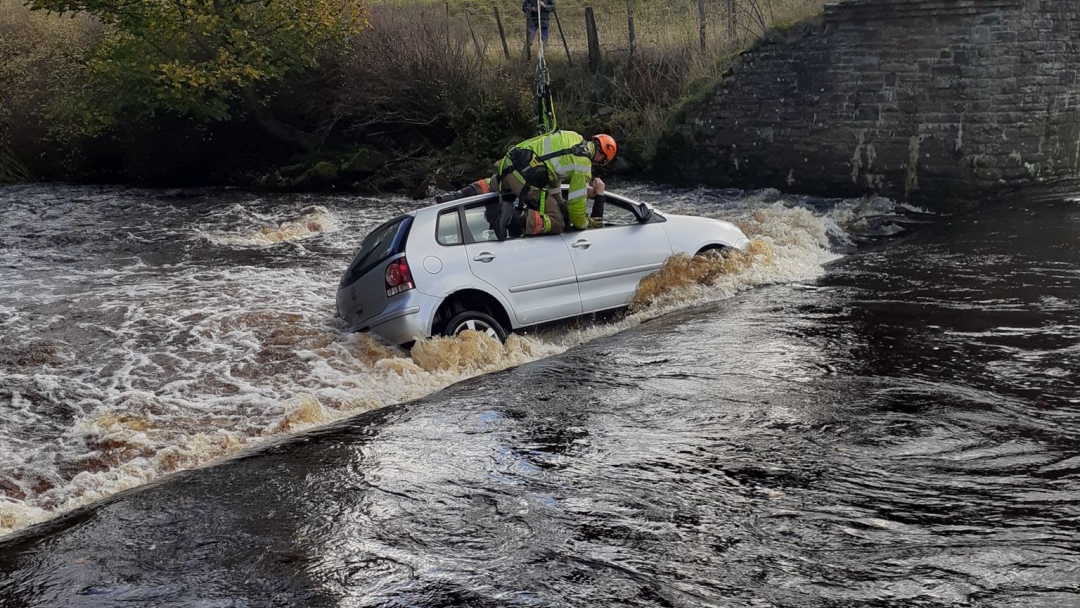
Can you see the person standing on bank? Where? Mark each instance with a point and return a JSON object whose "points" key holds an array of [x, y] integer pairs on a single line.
{"points": [[536, 19]]}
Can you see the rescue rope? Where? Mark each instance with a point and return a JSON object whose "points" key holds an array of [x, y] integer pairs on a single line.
{"points": [[545, 105]]}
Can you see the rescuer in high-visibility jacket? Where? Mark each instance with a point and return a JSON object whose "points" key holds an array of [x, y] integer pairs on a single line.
{"points": [[532, 174]]}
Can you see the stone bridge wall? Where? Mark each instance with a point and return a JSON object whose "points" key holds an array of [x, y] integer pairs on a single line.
{"points": [[915, 99]]}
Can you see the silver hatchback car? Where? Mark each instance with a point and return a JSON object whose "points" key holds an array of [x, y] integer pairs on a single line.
{"points": [[440, 270]]}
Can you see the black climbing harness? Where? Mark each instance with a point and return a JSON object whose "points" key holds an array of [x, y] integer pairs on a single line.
{"points": [[531, 167]]}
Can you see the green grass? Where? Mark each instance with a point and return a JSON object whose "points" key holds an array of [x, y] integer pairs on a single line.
{"points": [[668, 24]]}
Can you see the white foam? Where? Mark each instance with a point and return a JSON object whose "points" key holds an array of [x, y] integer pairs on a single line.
{"points": [[173, 367], [311, 221]]}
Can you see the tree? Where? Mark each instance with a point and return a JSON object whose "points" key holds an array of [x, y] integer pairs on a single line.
{"points": [[201, 58]]}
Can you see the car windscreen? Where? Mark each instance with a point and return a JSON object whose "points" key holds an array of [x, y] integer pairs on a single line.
{"points": [[383, 242]]}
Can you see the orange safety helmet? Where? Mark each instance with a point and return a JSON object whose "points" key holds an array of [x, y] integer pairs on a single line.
{"points": [[605, 145]]}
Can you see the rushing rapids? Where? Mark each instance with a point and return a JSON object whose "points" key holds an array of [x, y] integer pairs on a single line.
{"points": [[899, 431], [145, 332]]}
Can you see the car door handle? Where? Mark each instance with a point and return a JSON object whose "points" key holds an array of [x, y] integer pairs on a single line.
{"points": [[484, 257], [582, 244]]}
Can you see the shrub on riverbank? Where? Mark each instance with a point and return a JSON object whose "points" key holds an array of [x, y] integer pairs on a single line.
{"points": [[417, 98], [41, 71], [414, 86]]}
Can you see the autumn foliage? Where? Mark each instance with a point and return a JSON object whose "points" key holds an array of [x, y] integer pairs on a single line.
{"points": [[196, 57]]}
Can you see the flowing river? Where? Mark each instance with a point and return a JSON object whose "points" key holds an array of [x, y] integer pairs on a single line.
{"points": [[872, 406]]}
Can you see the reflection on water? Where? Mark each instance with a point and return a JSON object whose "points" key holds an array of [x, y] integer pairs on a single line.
{"points": [[146, 332]]}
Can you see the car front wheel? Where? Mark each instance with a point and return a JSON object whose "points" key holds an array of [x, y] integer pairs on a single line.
{"points": [[476, 321]]}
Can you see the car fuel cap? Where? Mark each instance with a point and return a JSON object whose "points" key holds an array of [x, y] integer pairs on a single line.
{"points": [[432, 264]]}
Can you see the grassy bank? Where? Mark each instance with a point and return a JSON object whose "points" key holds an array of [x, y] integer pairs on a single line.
{"points": [[422, 96]]}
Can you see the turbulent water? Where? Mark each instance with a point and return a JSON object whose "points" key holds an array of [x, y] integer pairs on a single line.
{"points": [[867, 422], [145, 332]]}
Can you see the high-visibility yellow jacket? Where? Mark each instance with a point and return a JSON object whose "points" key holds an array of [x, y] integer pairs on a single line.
{"points": [[574, 165]]}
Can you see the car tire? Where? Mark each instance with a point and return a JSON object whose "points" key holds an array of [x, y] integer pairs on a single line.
{"points": [[477, 321]]}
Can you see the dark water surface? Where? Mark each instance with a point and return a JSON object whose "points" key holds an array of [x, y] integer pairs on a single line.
{"points": [[902, 431]]}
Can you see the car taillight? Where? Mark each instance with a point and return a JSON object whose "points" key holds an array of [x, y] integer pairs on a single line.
{"points": [[398, 277]]}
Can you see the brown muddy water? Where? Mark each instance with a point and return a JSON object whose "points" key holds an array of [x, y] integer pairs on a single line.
{"points": [[830, 419]]}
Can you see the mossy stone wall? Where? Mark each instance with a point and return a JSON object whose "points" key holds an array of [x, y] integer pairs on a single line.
{"points": [[915, 99]]}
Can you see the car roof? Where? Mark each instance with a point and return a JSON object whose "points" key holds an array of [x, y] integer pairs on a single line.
{"points": [[480, 197], [456, 202]]}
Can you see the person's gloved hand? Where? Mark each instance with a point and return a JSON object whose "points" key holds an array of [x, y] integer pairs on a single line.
{"points": [[595, 222]]}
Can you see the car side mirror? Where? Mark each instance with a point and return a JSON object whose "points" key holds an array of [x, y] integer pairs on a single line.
{"points": [[643, 213]]}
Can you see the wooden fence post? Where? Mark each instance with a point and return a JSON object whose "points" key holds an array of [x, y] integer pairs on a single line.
{"points": [[594, 40], [565, 46], [468, 19], [502, 34], [447, 25], [731, 20], [701, 24], [630, 25]]}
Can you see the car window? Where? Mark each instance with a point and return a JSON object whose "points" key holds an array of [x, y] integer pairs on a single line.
{"points": [[448, 229], [478, 226], [378, 246], [616, 215]]}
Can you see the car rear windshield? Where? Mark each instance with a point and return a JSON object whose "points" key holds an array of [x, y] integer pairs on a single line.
{"points": [[383, 242]]}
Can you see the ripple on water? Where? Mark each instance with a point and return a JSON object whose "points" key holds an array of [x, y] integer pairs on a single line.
{"points": [[181, 330]]}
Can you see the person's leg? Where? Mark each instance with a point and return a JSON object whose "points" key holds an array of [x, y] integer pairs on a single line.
{"points": [[523, 216], [511, 188], [544, 217], [548, 223], [482, 186], [530, 33], [554, 208]]}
